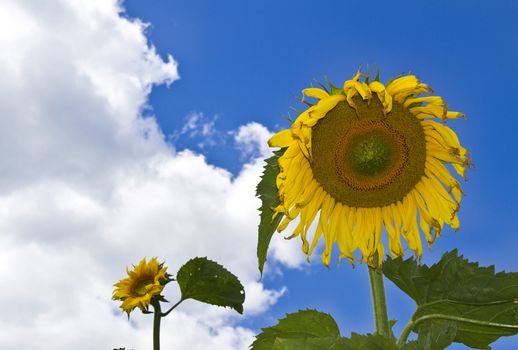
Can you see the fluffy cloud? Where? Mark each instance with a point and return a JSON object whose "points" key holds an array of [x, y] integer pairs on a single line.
{"points": [[89, 186], [252, 139]]}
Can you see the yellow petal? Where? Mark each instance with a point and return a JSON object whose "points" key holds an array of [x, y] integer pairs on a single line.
{"points": [[454, 115], [385, 98], [436, 100], [376, 86], [331, 234], [322, 107], [284, 223], [402, 83], [310, 211], [350, 94], [345, 239], [327, 205], [281, 139], [395, 246], [316, 93]]}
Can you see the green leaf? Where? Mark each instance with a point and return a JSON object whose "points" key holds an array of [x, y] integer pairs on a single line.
{"points": [[365, 342], [478, 301], [304, 329], [207, 281], [268, 193], [314, 330], [434, 336]]}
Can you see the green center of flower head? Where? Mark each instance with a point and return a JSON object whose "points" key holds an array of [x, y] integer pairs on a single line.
{"points": [[370, 154], [140, 288]]}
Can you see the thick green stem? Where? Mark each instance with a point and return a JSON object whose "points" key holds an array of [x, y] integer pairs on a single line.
{"points": [[156, 324], [378, 301]]}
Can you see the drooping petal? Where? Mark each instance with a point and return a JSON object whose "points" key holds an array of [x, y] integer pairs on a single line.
{"points": [[281, 139], [316, 93]]}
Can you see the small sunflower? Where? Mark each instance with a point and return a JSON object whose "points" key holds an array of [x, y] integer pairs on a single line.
{"points": [[145, 281], [368, 156]]}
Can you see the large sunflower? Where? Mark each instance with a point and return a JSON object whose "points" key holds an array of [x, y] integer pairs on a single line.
{"points": [[370, 156], [144, 282]]}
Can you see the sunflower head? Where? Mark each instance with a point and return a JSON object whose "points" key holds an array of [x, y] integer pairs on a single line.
{"points": [[144, 281], [370, 157]]}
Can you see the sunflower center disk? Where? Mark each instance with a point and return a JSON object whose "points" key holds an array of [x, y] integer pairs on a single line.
{"points": [[365, 159], [140, 288], [370, 155]]}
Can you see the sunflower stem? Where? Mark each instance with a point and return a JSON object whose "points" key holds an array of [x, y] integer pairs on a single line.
{"points": [[378, 300], [164, 314], [156, 324]]}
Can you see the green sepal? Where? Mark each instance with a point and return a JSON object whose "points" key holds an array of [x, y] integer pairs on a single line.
{"points": [[297, 110], [478, 301], [367, 75], [377, 76], [168, 277], [302, 100], [288, 118], [268, 194], [209, 282], [334, 90], [321, 85]]}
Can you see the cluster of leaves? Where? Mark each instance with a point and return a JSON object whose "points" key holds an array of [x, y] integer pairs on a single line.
{"points": [[473, 305], [456, 301]]}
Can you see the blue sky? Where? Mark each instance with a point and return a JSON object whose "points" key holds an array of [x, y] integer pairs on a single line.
{"points": [[243, 61], [112, 150]]}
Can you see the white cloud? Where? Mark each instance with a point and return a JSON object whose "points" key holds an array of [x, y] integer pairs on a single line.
{"points": [[89, 186], [199, 127], [252, 139], [74, 79]]}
